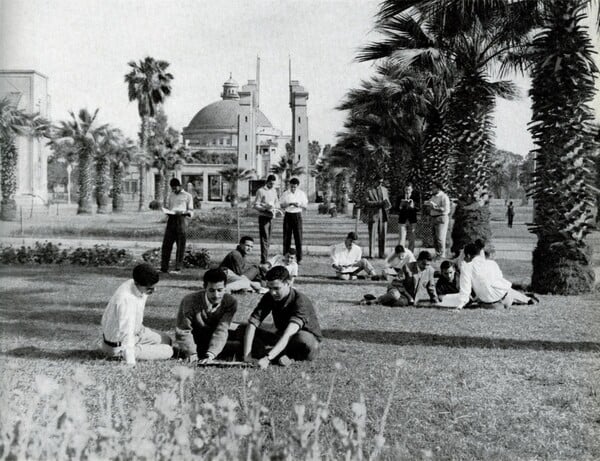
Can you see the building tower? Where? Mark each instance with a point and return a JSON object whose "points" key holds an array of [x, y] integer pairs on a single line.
{"points": [[298, 98]]}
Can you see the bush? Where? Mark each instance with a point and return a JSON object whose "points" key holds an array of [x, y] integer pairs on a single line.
{"points": [[197, 258], [100, 255], [155, 205], [152, 256]]}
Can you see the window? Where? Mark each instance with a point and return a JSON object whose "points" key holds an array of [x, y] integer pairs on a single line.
{"points": [[215, 188], [221, 141], [193, 184], [246, 119], [299, 138], [229, 141], [299, 120], [245, 137], [299, 157], [245, 156]]}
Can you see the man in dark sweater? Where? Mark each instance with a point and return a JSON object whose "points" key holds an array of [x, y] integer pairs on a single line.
{"points": [[448, 283], [241, 275], [204, 318], [298, 332]]}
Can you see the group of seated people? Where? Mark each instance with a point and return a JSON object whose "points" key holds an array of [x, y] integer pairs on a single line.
{"points": [[203, 325]]}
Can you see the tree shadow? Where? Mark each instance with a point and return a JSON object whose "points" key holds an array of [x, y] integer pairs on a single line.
{"points": [[32, 352], [406, 338]]}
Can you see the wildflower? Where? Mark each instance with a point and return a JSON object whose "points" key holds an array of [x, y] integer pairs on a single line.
{"points": [[400, 363], [182, 372], [82, 377], [45, 385], [340, 426], [199, 421], [379, 441], [242, 430], [227, 404], [337, 365], [141, 386], [166, 403], [198, 442]]}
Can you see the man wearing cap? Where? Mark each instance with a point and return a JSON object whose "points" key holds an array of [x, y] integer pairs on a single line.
{"points": [[180, 205], [293, 201], [266, 203], [347, 260], [123, 334], [376, 212]]}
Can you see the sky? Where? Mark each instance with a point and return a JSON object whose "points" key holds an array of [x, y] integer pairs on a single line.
{"points": [[83, 46]]}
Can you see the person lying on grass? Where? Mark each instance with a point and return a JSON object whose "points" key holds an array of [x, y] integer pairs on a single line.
{"points": [[448, 283], [484, 277], [203, 321], [123, 334], [241, 275], [395, 296], [396, 261], [347, 260], [298, 333]]}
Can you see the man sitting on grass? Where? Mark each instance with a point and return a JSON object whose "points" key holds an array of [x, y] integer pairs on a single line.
{"points": [[242, 275], [123, 334], [288, 261], [298, 332], [448, 283], [204, 318], [396, 260], [347, 260], [420, 282]]}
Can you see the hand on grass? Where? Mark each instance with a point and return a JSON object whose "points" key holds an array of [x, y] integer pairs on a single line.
{"points": [[193, 358], [205, 360], [264, 362]]}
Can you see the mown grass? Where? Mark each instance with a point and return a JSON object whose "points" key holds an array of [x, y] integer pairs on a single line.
{"points": [[481, 384]]}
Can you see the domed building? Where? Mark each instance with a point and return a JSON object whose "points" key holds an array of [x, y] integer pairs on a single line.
{"points": [[234, 132]]}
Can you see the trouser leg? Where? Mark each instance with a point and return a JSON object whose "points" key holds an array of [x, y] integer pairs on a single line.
{"points": [[381, 237], [287, 232], [518, 297], [297, 229], [302, 346], [402, 234], [371, 225], [153, 345], [365, 265], [264, 229], [181, 239], [411, 236], [167, 245]]}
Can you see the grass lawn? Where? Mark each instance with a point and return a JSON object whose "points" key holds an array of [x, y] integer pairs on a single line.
{"points": [[509, 384]]}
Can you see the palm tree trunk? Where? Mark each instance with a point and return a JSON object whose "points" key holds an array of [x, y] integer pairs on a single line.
{"points": [[117, 180], [159, 193], [144, 147], [8, 181], [142, 184], [102, 180], [84, 182]]}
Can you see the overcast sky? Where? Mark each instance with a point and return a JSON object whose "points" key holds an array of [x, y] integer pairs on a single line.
{"points": [[83, 46]]}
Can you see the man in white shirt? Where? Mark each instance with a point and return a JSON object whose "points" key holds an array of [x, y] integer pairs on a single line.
{"points": [[396, 261], [266, 202], [347, 260], [293, 201], [123, 334], [485, 279], [287, 260], [181, 204], [440, 216]]}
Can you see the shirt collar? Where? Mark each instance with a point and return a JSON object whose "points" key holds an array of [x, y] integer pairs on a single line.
{"points": [[210, 307], [135, 290]]}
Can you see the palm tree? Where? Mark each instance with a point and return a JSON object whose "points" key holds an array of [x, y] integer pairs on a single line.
{"points": [[232, 176], [107, 147], [123, 155], [288, 166], [14, 122], [149, 84], [82, 134]]}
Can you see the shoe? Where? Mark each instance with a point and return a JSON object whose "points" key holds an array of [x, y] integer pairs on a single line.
{"points": [[534, 299], [284, 361], [375, 277], [369, 297]]}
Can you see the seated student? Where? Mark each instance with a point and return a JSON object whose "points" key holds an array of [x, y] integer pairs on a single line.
{"points": [[397, 260], [204, 318], [347, 259], [395, 296], [123, 334], [419, 279], [241, 275], [288, 261], [448, 283], [485, 279], [298, 332]]}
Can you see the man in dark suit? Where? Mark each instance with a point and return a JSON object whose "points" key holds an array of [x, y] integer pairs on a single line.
{"points": [[376, 212], [408, 207]]}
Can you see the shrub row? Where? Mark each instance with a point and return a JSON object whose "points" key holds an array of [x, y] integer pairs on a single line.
{"points": [[192, 258], [49, 253]]}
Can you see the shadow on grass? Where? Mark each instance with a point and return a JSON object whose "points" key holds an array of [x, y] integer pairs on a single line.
{"points": [[32, 352], [406, 338]]}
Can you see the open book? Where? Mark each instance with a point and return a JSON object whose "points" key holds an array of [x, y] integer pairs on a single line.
{"points": [[167, 211]]}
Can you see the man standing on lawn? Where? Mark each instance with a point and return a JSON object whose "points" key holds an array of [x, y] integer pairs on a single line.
{"points": [[376, 212], [123, 334], [440, 217], [241, 275], [204, 318], [180, 204], [347, 260], [293, 201], [266, 203], [298, 332]]}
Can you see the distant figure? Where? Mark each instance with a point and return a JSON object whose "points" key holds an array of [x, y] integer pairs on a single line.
{"points": [[440, 216], [266, 203], [347, 260], [376, 213], [510, 214], [124, 336], [241, 275], [396, 294], [396, 261], [408, 208], [298, 334], [293, 201], [180, 204]]}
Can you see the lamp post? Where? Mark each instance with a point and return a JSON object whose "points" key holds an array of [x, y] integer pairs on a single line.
{"points": [[69, 170]]}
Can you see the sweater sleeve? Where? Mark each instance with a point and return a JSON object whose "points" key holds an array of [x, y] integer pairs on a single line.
{"points": [[183, 328], [261, 311], [221, 332]]}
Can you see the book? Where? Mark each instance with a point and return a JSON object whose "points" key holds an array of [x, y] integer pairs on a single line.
{"points": [[167, 211]]}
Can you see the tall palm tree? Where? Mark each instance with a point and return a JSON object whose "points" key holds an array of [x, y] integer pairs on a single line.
{"points": [[82, 134], [288, 166], [233, 176], [149, 84], [14, 122], [107, 147], [123, 155]]}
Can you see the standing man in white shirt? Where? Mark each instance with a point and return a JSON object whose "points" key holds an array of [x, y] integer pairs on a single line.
{"points": [[123, 334], [485, 279], [440, 216], [266, 203], [293, 201], [347, 260], [181, 204]]}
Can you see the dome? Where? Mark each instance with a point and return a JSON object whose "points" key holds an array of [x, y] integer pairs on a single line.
{"points": [[223, 114]]}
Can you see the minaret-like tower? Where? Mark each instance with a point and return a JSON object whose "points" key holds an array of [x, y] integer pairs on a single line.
{"points": [[298, 98]]}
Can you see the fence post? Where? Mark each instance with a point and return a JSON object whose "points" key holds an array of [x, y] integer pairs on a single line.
{"points": [[237, 211], [356, 221]]}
